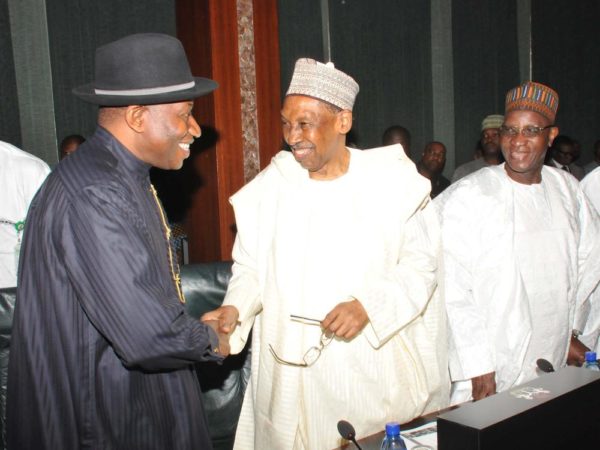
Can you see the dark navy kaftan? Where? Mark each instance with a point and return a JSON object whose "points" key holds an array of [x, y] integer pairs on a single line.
{"points": [[102, 350]]}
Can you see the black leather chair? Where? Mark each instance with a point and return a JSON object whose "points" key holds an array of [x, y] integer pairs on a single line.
{"points": [[7, 307], [223, 386]]}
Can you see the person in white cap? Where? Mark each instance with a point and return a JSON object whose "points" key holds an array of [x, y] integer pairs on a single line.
{"points": [[490, 148], [521, 246], [335, 270]]}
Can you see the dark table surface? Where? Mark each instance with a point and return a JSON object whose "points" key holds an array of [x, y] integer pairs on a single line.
{"points": [[373, 441]]}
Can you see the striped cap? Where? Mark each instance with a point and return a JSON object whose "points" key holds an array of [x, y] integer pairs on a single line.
{"points": [[323, 82], [532, 96]]}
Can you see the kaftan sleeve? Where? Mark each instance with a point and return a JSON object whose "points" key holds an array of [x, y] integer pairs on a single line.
{"points": [[587, 312], [401, 294], [32, 177], [243, 290], [470, 346], [123, 287], [243, 293]]}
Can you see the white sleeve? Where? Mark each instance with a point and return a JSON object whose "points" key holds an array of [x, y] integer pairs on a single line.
{"points": [[470, 346], [398, 296]]}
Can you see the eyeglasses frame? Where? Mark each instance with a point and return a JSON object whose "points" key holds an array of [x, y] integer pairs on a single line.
{"points": [[514, 131], [324, 341]]}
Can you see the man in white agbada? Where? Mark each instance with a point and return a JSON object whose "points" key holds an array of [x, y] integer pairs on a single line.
{"points": [[347, 240], [521, 249], [591, 186], [21, 174]]}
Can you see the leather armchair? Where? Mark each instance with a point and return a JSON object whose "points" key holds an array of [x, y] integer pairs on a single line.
{"points": [[7, 306], [223, 386]]}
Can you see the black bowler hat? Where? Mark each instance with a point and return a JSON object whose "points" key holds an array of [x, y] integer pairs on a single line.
{"points": [[143, 69]]}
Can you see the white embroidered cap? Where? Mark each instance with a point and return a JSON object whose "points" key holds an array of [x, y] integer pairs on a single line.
{"points": [[323, 82]]}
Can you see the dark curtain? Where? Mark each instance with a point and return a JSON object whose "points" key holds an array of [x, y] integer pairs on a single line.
{"points": [[10, 124], [76, 28], [386, 46], [566, 56], [299, 35], [486, 65]]}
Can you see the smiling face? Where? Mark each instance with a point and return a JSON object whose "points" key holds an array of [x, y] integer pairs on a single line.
{"points": [[168, 131], [525, 155], [316, 134]]}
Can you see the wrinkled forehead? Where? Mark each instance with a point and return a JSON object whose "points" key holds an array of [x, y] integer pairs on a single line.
{"points": [[524, 118]]}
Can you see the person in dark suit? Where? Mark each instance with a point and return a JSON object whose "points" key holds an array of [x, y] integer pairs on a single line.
{"points": [[562, 156], [102, 350], [431, 166]]}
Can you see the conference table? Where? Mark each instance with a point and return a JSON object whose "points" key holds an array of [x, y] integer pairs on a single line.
{"points": [[555, 410], [373, 441]]}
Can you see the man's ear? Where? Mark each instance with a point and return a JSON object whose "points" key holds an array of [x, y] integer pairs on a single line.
{"points": [[134, 116], [344, 121], [553, 133]]}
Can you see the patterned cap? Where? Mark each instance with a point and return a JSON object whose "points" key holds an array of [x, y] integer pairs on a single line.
{"points": [[323, 82], [492, 121], [532, 96]]}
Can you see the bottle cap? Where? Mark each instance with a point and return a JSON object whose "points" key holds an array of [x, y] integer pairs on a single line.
{"points": [[392, 428], [590, 356]]}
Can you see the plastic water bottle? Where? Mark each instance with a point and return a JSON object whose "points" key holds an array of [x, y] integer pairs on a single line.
{"points": [[590, 361], [392, 439]]}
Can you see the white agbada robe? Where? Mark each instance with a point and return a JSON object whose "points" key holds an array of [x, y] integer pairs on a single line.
{"points": [[21, 174], [591, 186], [521, 266], [303, 246]]}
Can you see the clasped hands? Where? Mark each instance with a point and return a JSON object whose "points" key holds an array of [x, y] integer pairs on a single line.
{"points": [[344, 321]]}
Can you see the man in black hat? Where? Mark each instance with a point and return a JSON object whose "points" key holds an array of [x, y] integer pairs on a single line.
{"points": [[102, 350]]}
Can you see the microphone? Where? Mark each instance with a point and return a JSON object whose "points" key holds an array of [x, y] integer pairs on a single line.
{"points": [[347, 431], [544, 365]]}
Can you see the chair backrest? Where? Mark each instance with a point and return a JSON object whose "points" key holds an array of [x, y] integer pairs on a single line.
{"points": [[7, 307], [223, 386]]}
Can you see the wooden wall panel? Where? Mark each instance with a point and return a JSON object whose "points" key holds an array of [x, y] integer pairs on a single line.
{"points": [[209, 32], [268, 100]]}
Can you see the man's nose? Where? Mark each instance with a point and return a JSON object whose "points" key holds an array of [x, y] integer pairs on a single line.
{"points": [[193, 127]]}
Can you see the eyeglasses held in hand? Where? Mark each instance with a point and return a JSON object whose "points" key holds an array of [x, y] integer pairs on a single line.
{"points": [[311, 355], [529, 131]]}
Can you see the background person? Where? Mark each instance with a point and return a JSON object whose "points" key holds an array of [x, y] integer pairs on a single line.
{"points": [[397, 134], [69, 144], [562, 156], [431, 165], [490, 148]]}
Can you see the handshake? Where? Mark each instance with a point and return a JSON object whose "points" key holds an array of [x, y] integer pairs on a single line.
{"points": [[223, 321]]}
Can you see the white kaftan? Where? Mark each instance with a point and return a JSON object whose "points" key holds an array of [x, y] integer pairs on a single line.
{"points": [[521, 266], [21, 174], [591, 186], [303, 246]]}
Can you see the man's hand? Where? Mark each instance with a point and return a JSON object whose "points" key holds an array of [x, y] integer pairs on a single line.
{"points": [[484, 385], [227, 317], [223, 346], [346, 319], [577, 349]]}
